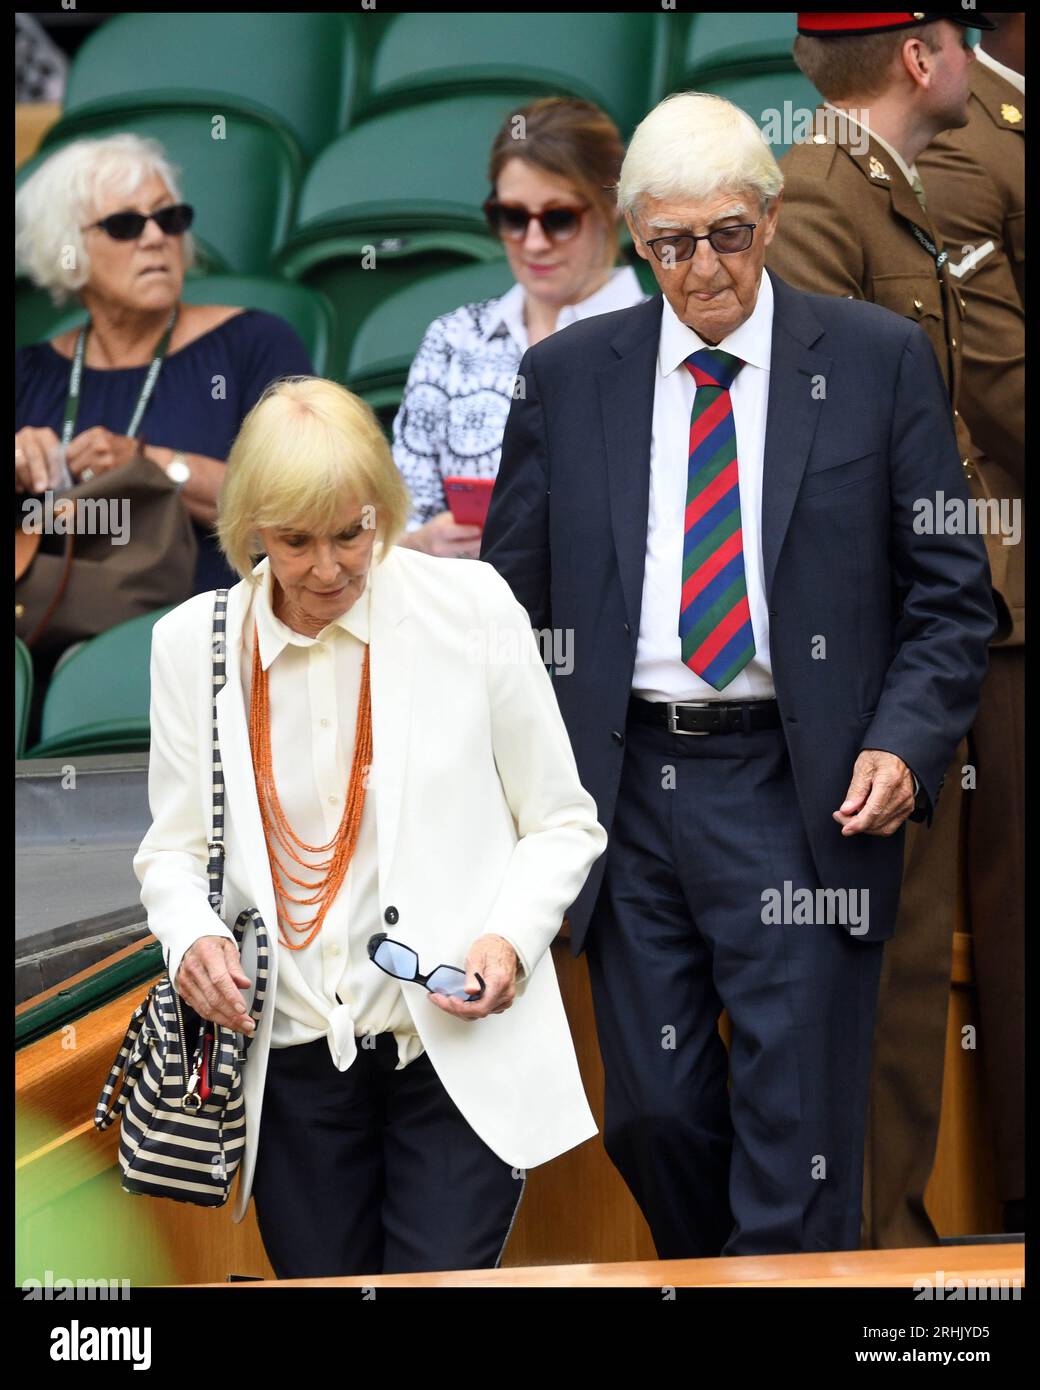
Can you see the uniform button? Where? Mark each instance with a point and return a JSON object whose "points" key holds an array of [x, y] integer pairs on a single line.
{"points": [[956, 414], [391, 915], [618, 736], [19, 610], [963, 305], [918, 305], [953, 342], [627, 628], [819, 139]]}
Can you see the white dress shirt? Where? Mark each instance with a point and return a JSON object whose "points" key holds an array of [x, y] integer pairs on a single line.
{"points": [[1016, 79], [460, 387], [660, 673], [313, 686]]}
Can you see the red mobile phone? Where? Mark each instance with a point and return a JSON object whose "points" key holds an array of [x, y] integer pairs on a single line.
{"points": [[469, 499]]}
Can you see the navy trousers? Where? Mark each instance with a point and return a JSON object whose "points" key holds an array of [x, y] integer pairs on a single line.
{"points": [[373, 1170], [759, 1152]]}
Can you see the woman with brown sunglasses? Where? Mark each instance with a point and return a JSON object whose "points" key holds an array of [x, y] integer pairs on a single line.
{"points": [[553, 168]]}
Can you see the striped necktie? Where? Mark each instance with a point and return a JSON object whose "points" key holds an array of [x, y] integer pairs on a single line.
{"points": [[714, 616]]}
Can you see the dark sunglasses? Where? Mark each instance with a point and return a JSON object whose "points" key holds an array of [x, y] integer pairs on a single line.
{"points": [[128, 226], [511, 220], [402, 962], [725, 240]]}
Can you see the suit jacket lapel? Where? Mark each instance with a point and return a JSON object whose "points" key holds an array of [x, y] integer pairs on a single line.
{"points": [[627, 400], [390, 667], [797, 382]]}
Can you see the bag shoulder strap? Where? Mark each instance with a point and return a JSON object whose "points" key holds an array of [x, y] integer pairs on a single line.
{"points": [[215, 867]]}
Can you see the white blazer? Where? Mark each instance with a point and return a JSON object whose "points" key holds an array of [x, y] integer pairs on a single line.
{"points": [[482, 823]]}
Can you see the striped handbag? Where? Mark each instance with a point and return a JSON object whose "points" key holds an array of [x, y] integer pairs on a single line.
{"points": [[183, 1127]]}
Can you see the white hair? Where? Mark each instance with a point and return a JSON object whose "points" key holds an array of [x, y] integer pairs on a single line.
{"points": [[694, 145], [65, 193]]}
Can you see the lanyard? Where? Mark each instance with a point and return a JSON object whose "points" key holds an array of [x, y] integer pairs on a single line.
{"points": [[939, 257], [76, 376]]}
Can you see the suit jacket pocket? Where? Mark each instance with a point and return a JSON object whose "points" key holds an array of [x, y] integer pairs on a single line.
{"points": [[831, 476]]}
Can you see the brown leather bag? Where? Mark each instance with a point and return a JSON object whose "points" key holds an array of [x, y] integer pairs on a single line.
{"points": [[70, 587]]}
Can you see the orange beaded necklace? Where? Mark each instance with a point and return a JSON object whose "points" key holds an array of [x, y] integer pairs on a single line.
{"points": [[277, 830]]}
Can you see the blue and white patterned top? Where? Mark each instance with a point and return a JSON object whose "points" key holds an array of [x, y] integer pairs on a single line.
{"points": [[453, 412]]}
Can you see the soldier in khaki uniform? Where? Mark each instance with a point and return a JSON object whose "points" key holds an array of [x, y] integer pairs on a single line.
{"points": [[855, 223], [975, 182]]}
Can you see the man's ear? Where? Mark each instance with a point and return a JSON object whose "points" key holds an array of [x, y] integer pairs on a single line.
{"points": [[637, 240]]}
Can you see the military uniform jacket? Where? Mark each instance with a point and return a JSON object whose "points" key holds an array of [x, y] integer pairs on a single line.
{"points": [[847, 227], [975, 184]]}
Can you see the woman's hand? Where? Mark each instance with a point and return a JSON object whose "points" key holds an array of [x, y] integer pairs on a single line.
{"points": [[32, 450], [209, 978], [496, 961], [444, 536], [98, 451]]}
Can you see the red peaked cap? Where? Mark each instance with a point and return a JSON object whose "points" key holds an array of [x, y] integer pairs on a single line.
{"points": [[843, 24]]}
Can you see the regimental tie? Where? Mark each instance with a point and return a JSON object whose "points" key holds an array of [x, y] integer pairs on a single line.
{"points": [[714, 617]]}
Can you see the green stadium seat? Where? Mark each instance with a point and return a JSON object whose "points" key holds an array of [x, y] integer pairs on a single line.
{"points": [[388, 339], [98, 699], [297, 70], [309, 312], [243, 187], [618, 61], [23, 688], [715, 40]]}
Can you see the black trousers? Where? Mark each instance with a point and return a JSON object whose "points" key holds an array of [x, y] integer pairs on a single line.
{"points": [[373, 1170], [760, 1152]]}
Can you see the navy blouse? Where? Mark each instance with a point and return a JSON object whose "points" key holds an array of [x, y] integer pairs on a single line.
{"points": [[201, 397]]}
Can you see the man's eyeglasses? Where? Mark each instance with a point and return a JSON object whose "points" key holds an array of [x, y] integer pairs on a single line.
{"points": [[402, 962], [128, 226], [725, 240], [511, 220]]}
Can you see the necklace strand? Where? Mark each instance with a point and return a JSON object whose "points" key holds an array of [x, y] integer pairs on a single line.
{"points": [[277, 830]]}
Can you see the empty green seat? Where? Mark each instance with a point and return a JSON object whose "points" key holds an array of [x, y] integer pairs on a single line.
{"points": [[243, 187], [387, 340], [781, 103], [716, 40], [23, 688], [297, 70], [98, 699], [615, 60]]}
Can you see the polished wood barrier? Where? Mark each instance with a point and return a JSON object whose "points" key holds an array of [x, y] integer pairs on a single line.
{"points": [[575, 1211], [852, 1268]]}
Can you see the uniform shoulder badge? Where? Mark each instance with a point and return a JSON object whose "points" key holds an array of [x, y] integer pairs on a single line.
{"points": [[877, 169], [1010, 113]]}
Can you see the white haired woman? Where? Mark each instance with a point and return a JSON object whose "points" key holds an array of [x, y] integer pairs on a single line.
{"points": [[401, 796], [103, 221]]}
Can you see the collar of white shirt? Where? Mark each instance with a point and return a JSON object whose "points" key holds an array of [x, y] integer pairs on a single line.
{"points": [[275, 635], [752, 342], [1016, 79], [908, 171], [621, 290]]}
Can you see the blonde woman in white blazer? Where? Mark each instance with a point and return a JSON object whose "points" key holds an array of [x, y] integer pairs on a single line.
{"points": [[388, 1127]]}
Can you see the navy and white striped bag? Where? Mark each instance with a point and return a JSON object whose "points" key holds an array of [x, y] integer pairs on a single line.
{"points": [[183, 1124]]}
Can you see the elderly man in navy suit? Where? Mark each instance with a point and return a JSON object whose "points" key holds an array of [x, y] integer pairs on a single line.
{"points": [[729, 498]]}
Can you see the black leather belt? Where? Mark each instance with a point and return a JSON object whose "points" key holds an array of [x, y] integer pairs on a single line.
{"points": [[706, 716]]}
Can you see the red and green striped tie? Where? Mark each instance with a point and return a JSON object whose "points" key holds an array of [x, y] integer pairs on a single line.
{"points": [[714, 618]]}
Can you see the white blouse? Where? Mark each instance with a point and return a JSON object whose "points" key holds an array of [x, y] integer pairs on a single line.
{"points": [[460, 387], [313, 685]]}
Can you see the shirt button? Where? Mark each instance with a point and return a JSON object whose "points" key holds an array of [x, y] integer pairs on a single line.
{"points": [[333, 800], [324, 723], [333, 950]]}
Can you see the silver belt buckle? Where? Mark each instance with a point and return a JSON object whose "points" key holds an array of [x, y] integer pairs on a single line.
{"points": [[674, 705]]}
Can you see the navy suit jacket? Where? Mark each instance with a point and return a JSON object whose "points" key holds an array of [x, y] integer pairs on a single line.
{"points": [[858, 427]]}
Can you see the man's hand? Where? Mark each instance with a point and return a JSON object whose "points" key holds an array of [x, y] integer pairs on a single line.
{"points": [[880, 795], [209, 978], [99, 451], [496, 961]]}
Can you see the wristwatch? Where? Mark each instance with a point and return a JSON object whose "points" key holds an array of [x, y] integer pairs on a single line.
{"points": [[177, 471]]}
